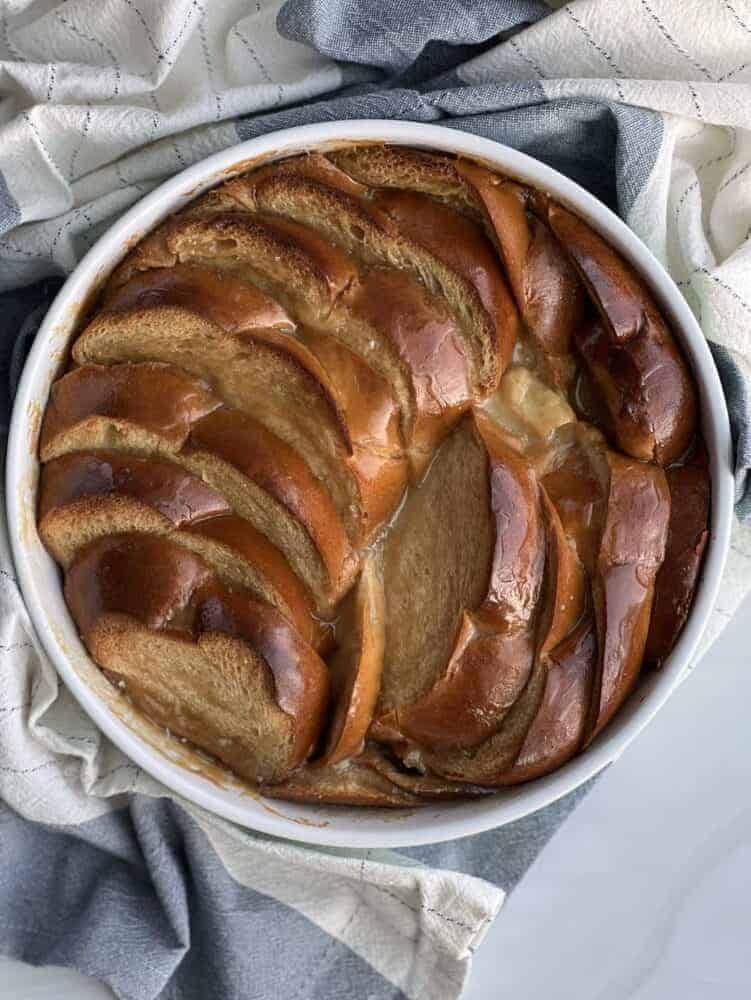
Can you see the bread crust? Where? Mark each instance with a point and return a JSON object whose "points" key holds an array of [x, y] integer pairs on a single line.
{"points": [[631, 354]]}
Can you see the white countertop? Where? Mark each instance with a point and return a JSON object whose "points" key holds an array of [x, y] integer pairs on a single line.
{"points": [[644, 892]]}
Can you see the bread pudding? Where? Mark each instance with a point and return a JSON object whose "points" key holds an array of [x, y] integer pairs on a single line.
{"points": [[377, 477]]}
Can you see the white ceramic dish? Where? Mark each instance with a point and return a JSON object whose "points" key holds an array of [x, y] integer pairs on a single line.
{"points": [[39, 577]]}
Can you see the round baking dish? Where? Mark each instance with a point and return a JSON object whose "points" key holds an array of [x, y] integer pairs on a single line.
{"points": [[153, 750]]}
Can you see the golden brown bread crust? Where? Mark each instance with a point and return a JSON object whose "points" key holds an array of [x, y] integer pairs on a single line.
{"points": [[356, 666], [548, 292], [565, 589], [631, 355], [688, 534], [232, 304], [460, 244], [142, 577], [424, 340], [632, 549], [86, 494], [176, 494], [560, 725], [178, 600], [164, 400]]}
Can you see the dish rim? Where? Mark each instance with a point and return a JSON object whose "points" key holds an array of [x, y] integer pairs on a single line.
{"points": [[342, 826]]}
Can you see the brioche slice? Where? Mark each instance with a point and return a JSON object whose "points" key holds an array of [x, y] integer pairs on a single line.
{"points": [[232, 304], [574, 476], [688, 534], [617, 512], [215, 692], [263, 479], [560, 725], [462, 246], [283, 257], [162, 400], [386, 317], [422, 341], [487, 763], [84, 496], [167, 488], [257, 456], [351, 783], [547, 288], [356, 666], [311, 190], [631, 553], [631, 356], [220, 669], [565, 588], [409, 169], [142, 577], [426, 786], [465, 559], [276, 380]]}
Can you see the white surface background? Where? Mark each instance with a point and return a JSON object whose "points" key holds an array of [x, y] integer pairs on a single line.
{"points": [[644, 892]]}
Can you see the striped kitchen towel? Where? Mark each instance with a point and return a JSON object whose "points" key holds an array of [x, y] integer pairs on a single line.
{"points": [[645, 102]]}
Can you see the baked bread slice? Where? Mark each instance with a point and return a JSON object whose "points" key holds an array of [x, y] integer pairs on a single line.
{"points": [[276, 380], [547, 289], [630, 354], [465, 559], [232, 304], [617, 511], [560, 726], [219, 669], [461, 245], [162, 400], [313, 191], [688, 534], [86, 495], [262, 478], [351, 783], [386, 317], [356, 666], [409, 169]]}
